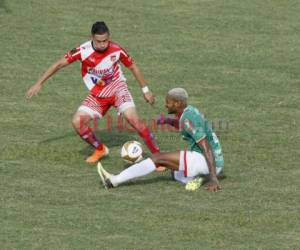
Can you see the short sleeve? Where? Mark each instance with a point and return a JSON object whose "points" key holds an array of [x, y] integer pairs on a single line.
{"points": [[73, 55], [126, 59]]}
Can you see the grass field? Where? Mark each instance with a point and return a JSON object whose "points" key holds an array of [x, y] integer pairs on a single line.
{"points": [[238, 60]]}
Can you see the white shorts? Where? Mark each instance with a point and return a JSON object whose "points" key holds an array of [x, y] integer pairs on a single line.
{"points": [[192, 164]]}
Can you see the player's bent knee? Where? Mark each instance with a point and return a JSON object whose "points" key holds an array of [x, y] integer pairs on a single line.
{"points": [[79, 121], [132, 116], [130, 112], [156, 158]]}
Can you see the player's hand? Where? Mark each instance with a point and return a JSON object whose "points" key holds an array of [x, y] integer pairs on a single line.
{"points": [[161, 120], [33, 90], [213, 185], [149, 97], [172, 121]]}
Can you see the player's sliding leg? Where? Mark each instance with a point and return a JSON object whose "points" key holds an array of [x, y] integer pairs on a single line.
{"points": [[168, 159], [137, 170], [80, 123], [104, 176]]}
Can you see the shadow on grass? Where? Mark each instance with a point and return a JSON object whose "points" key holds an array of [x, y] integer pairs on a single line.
{"points": [[57, 138], [164, 178], [111, 139], [153, 180], [220, 178]]}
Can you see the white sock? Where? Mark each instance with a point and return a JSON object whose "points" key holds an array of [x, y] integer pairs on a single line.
{"points": [[179, 176], [137, 170]]}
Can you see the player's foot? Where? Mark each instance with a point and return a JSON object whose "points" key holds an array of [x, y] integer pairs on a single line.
{"points": [[160, 169], [104, 176], [194, 184], [98, 154]]}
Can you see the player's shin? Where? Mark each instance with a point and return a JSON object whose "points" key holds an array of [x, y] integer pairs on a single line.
{"points": [[88, 135], [137, 170], [149, 140]]}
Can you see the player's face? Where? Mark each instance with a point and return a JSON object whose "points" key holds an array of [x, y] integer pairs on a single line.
{"points": [[100, 42], [171, 105]]}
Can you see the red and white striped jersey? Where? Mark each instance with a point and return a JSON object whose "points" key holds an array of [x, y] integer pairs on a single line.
{"points": [[101, 71]]}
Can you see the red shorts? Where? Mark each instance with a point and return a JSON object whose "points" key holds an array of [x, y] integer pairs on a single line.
{"points": [[98, 106]]}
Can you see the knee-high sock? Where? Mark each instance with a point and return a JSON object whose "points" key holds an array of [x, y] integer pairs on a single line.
{"points": [[149, 140], [89, 136], [137, 170]]}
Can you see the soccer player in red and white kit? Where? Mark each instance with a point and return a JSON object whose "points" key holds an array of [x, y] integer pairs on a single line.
{"points": [[102, 74]]}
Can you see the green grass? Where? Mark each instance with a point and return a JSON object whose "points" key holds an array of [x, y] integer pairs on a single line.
{"points": [[239, 62]]}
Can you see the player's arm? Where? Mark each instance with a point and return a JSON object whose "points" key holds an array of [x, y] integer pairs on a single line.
{"points": [[48, 73], [213, 184], [128, 61], [141, 80], [172, 121]]}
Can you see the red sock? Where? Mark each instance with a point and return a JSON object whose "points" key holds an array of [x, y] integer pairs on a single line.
{"points": [[149, 140], [89, 136]]}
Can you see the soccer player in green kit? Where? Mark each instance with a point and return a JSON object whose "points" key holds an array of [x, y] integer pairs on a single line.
{"points": [[202, 157]]}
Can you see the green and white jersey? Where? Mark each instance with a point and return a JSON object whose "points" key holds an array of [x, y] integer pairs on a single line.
{"points": [[194, 127]]}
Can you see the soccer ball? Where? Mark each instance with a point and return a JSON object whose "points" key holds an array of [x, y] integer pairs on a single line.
{"points": [[132, 151]]}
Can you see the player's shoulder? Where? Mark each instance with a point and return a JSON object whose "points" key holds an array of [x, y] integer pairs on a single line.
{"points": [[193, 114], [191, 110], [116, 46], [86, 45]]}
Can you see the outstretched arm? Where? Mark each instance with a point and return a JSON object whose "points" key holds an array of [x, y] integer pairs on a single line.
{"points": [[213, 184], [149, 97], [49, 72]]}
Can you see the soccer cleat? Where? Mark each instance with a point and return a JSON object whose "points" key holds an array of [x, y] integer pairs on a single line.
{"points": [[194, 184], [104, 176], [98, 154]]}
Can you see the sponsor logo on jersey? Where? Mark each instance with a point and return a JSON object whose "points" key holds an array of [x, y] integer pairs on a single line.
{"points": [[101, 72], [97, 81]]}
